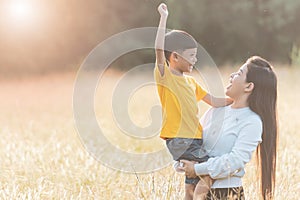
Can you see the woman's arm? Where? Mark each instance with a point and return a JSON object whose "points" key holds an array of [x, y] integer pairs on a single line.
{"points": [[229, 163]]}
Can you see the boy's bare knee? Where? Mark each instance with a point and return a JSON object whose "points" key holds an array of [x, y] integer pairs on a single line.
{"points": [[206, 180], [203, 187]]}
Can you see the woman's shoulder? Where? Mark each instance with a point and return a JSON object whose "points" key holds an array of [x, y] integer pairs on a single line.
{"points": [[213, 113], [217, 111], [253, 116], [243, 114]]}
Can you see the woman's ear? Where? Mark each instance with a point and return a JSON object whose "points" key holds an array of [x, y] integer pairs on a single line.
{"points": [[249, 87]]}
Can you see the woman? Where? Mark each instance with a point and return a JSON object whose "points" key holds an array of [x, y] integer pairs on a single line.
{"points": [[232, 133]]}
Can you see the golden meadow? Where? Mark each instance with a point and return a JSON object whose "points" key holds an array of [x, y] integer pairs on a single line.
{"points": [[42, 156]]}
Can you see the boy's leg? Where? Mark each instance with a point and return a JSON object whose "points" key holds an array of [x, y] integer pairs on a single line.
{"points": [[178, 147], [202, 188], [187, 149], [190, 185], [189, 191]]}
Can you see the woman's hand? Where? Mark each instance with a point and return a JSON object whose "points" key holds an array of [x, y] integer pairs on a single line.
{"points": [[188, 167]]}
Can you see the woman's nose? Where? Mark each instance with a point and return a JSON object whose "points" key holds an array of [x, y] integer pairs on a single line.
{"points": [[231, 77]]}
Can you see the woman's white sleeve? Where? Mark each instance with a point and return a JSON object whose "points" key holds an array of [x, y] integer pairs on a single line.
{"points": [[230, 163]]}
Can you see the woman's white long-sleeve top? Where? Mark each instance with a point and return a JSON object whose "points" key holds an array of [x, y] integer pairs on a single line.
{"points": [[230, 137]]}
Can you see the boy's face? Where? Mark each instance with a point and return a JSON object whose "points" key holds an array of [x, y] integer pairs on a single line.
{"points": [[187, 59]]}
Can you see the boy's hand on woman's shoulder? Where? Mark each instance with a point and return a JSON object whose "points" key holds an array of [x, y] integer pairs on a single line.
{"points": [[163, 10]]}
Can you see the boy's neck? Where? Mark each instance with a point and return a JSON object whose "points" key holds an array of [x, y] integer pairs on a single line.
{"points": [[175, 71]]}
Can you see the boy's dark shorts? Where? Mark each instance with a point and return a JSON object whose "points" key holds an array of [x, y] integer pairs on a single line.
{"points": [[187, 149]]}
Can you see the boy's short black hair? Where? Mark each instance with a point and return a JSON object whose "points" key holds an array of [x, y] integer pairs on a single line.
{"points": [[178, 40]]}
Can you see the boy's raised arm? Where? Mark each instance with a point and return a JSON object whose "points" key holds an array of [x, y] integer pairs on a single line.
{"points": [[160, 37]]}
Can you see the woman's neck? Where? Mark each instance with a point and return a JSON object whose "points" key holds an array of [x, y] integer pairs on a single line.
{"points": [[240, 102]]}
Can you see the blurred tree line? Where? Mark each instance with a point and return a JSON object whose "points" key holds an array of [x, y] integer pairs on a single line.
{"points": [[229, 30]]}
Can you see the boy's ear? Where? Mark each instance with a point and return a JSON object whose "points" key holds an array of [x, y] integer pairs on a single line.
{"points": [[249, 87], [174, 55]]}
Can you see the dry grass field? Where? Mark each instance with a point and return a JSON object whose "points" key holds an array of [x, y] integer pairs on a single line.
{"points": [[42, 157]]}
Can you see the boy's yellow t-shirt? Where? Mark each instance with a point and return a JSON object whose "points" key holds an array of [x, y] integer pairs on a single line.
{"points": [[178, 97]]}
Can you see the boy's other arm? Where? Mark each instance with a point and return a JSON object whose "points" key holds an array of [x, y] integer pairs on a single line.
{"points": [[217, 101], [160, 38]]}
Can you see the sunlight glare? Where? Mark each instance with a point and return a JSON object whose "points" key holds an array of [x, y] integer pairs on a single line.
{"points": [[21, 11]]}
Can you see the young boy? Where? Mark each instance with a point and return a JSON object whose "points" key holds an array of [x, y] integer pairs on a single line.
{"points": [[176, 54]]}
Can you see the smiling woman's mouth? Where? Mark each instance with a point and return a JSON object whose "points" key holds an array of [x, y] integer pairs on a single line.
{"points": [[229, 86]]}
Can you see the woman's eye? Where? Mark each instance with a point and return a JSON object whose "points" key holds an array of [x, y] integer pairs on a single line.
{"points": [[238, 73]]}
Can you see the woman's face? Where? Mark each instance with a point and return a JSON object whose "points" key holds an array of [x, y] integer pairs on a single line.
{"points": [[237, 83]]}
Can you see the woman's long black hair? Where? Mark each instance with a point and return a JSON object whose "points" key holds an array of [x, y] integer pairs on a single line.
{"points": [[263, 101]]}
